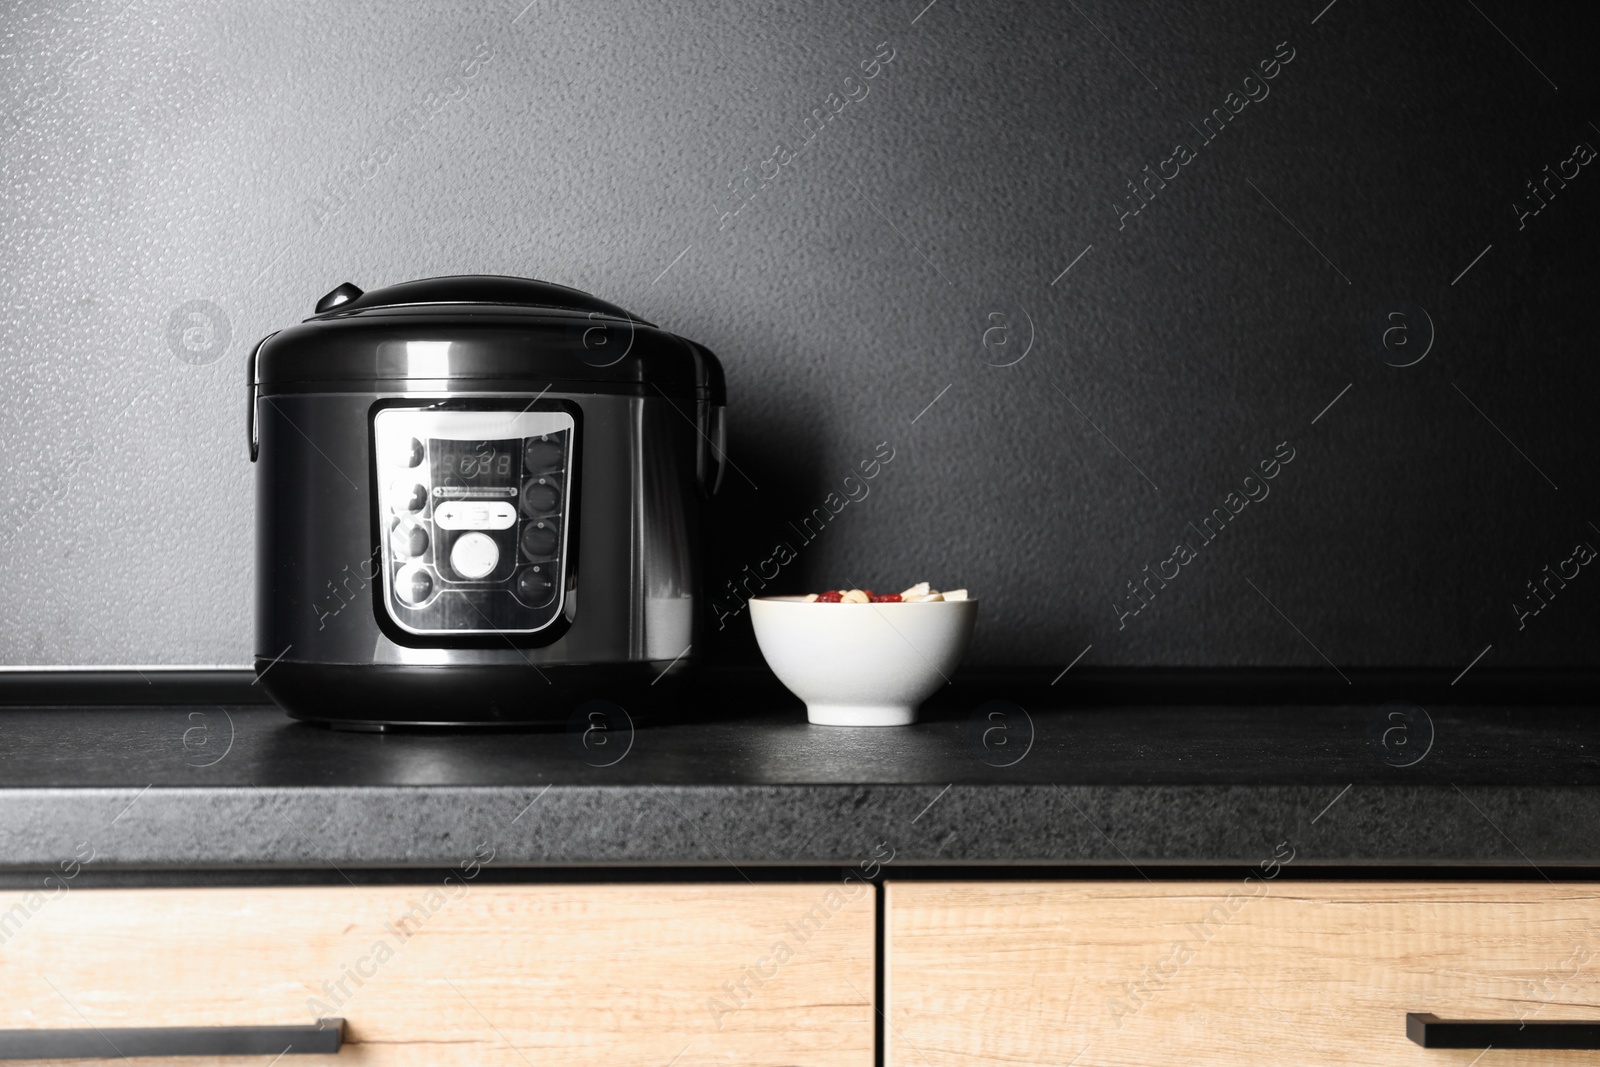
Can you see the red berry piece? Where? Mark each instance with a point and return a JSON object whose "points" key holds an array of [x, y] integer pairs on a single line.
{"points": [[887, 598], [830, 597]]}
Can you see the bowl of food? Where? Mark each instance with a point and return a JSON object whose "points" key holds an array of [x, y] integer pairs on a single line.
{"points": [[858, 658]]}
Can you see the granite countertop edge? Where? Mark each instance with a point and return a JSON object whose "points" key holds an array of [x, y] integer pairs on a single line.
{"points": [[976, 825]]}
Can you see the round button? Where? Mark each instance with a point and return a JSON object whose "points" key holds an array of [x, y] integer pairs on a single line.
{"points": [[539, 540], [408, 499], [474, 555], [407, 453], [409, 540], [412, 585], [541, 455], [534, 586], [540, 496]]}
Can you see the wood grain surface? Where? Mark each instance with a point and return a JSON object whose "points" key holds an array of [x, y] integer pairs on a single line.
{"points": [[494, 975], [985, 974]]}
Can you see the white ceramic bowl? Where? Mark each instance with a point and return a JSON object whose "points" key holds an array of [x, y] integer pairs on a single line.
{"points": [[862, 664]]}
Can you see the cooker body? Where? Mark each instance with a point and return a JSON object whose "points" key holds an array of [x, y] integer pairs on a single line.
{"points": [[474, 557]]}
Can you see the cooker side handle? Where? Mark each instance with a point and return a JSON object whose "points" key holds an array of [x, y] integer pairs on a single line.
{"points": [[251, 393], [714, 442], [710, 419]]}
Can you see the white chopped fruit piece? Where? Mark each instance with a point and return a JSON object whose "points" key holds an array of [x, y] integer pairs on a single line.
{"points": [[921, 593]]}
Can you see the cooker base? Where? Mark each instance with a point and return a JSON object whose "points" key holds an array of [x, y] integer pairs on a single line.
{"points": [[379, 697]]}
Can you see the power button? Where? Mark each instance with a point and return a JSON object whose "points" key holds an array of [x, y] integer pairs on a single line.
{"points": [[474, 555]]}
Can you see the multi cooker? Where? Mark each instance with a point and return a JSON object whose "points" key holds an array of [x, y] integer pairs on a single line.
{"points": [[478, 501]]}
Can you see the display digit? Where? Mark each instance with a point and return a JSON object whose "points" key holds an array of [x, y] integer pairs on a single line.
{"points": [[481, 464]]}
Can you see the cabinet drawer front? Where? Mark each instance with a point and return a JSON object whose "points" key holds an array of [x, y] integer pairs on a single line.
{"points": [[1264, 972], [457, 974]]}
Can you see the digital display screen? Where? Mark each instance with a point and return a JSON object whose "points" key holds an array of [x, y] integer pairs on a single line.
{"points": [[478, 464]]}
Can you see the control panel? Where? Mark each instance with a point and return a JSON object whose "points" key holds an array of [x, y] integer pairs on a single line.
{"points": [[474, 509]]}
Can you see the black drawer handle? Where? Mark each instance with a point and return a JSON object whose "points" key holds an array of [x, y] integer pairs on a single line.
{"points": [[1430, 1031], [126, 1042]]}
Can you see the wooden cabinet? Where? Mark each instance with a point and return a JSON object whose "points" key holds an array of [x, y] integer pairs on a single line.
{"points": [[989, 974], [463, 974], [979, 974]]}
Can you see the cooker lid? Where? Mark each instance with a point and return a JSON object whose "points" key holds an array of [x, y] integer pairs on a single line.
{"points": [[468, 289], [437, 332]]}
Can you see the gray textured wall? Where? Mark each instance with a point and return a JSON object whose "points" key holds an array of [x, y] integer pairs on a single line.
{"points": [[252, 157]]}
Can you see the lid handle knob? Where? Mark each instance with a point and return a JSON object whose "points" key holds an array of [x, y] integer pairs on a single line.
{"points": [[342, 295]]}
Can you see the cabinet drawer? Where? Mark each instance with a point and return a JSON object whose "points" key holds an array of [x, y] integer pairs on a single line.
{"points": [[1264, 972], [431, 974]]}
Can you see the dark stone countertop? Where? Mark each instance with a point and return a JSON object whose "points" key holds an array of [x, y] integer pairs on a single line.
{"points": [[751, 785]]}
